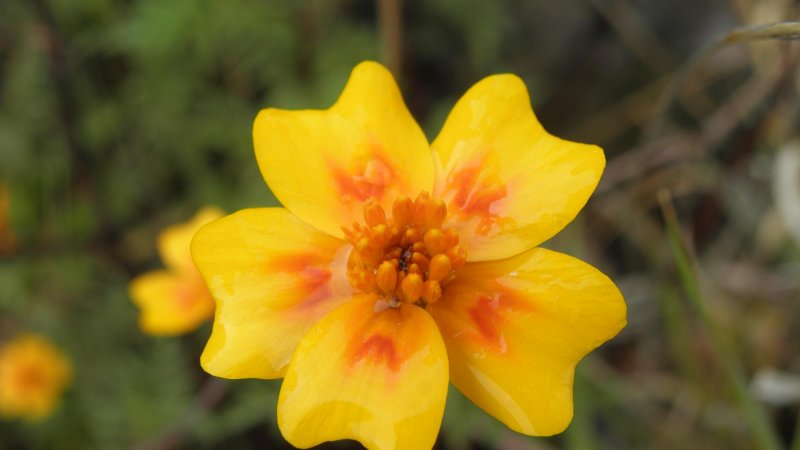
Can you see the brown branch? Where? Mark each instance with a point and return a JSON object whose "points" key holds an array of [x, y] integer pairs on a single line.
{"points": [[390, 15]]}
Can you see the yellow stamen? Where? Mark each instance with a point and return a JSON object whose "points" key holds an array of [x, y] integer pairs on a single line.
{"points": [[373, 213], [401, 211], [439, 268], [411, 287], [437, 211], [431, 291], [386, 279], [435, 241], [408, 258]]}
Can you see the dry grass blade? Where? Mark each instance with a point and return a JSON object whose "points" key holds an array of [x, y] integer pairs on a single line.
{"points": [[764, 436], [778, 31]]}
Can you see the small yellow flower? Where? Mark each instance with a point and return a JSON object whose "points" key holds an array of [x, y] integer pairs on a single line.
{"points": [[33, 374], [175, 301], [398, 265]]}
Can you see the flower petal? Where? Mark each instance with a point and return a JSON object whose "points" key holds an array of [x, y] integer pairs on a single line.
{"points": [[376, 375], [516, 328], [509, 185], [273, 277], [322, 165], [174, 241], [171, 304]]}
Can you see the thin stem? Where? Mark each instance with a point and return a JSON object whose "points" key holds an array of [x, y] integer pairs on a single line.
{"points": [[579, 435], [391, 23], [763, 434], [796, 438]]}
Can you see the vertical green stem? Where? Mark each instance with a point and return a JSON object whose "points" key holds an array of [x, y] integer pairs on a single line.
{"points": [[763, 433], [579, 435]]}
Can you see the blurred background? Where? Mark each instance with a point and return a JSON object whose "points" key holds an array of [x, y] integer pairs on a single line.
{"points": [[119, 118]]}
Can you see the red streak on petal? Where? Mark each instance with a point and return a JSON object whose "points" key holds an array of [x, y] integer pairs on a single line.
{"points": [[316, 285], [381, 349], [487, 318], [476, 190]]}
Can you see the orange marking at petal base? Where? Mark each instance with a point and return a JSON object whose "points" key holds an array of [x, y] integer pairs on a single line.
{"points": [[30, 378], [370, 178], [189, 293], [379, 348], [312, 280], [476, 189]]}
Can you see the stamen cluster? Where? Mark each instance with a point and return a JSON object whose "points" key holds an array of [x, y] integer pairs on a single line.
{"points": [[408, 258]]}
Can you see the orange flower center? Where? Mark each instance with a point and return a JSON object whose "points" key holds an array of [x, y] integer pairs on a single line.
{"points": [[29, 378], [408, 258]]}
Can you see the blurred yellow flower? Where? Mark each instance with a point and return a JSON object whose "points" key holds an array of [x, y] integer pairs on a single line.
{"points": [[367, 302], [33, 375], [176, 300], [7, 239]]}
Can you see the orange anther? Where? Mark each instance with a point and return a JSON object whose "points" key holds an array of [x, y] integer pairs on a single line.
{"points": [[420, 208], [363, 244], [412, 235], [401, 211], [386, 278], [380, 235], [421, 260], [437, 211], [394, 253], [435, 241], [457, 256], [439, 268], [418, 247], [431, 291], [395, 233], [373, 213], [411, 287], [414, 268]]}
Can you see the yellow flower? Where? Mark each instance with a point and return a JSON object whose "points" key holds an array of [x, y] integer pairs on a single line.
{"points": [[367, 302], [33, 374], [175, 301]]}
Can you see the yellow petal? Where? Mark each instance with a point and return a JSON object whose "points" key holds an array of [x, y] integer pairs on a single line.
{"points": [[509, 184], [174, 241], [516, 328], [171, 304], [322, 165], [374, 374], [273, 277]]}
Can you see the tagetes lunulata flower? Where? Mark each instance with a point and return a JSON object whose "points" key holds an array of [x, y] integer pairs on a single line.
{"points": [[33, 374], [175, 301], [397, 265]]}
